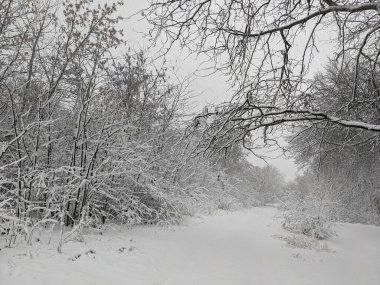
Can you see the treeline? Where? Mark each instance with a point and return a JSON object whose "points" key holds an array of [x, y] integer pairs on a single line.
{"points": [[91, 134], [342, 165]]}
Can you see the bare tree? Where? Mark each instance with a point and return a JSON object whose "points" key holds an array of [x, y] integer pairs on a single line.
{"points": [[267, 47]]}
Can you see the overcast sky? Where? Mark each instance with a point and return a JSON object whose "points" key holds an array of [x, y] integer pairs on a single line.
{"points": [[208, 89]]}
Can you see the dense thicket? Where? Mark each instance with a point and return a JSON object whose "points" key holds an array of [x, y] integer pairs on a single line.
{"points": [[91, 134]]}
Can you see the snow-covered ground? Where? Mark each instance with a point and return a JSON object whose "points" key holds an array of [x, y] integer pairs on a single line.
{"points": [[246, 247]]}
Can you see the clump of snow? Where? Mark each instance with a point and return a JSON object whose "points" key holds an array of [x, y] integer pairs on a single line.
{"points": [[301, 241]]}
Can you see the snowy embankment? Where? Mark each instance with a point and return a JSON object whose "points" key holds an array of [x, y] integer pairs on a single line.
{"points": [[246, 247]]}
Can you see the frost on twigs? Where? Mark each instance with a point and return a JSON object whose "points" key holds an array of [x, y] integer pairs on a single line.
{"points": [[309, 214]]}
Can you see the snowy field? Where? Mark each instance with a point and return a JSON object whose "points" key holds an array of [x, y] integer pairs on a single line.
{"points": [[246, 247]]}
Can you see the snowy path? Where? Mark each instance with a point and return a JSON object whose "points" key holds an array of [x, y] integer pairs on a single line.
{"points": [[235, 248]]}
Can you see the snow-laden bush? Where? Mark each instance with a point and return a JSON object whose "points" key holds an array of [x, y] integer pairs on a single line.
{"points": [[345, 200], [309, 213]]}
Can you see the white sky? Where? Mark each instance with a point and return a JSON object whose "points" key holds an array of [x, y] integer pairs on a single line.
{"points": [[209, 89]]}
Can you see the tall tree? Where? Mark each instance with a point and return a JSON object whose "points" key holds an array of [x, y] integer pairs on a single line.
{"points": [[267, 47]]}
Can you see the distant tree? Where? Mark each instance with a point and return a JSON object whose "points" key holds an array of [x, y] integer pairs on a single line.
{"points": [[331, 89]]}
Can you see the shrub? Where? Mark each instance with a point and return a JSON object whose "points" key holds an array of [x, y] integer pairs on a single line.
{"points": [[310, 213]]}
